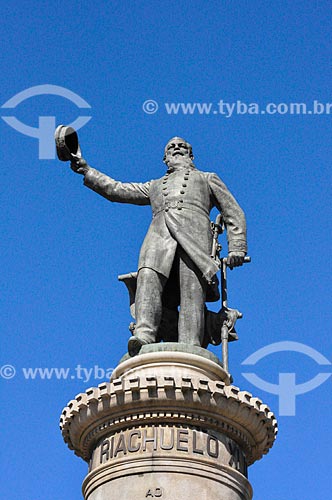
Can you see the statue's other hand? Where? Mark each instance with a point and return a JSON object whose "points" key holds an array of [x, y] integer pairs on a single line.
{"points": [[235, 259], [79, 165]]}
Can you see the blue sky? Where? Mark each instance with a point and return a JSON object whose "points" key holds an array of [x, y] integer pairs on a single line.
{"points": [[63, 246]]}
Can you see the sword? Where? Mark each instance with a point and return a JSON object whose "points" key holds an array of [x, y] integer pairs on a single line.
{"points": [[228, 316]]}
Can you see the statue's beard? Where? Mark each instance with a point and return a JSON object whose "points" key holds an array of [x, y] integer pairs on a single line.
{"points": [[178, 161]]}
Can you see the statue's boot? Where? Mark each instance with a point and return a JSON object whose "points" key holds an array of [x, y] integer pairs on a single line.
{"points": [[135, 344]]}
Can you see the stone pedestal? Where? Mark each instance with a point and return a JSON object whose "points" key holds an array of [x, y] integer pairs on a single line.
{"points": [[168, 425]]}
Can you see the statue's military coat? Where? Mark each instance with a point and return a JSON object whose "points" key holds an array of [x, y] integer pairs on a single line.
{"points": [[181, 202]]}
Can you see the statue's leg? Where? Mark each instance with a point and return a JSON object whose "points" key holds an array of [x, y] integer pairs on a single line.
{"points": [[148, 304], [192, 301]]}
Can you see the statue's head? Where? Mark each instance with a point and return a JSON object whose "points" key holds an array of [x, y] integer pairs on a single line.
{"points": [[178, 152]]}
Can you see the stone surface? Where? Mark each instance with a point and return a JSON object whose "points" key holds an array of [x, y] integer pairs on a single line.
{"points": [[168, 360], [168, 425], [176, 347], [171, 481]]}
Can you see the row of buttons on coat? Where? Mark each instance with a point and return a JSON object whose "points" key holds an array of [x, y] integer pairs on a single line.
{"points": [[184, 185]]}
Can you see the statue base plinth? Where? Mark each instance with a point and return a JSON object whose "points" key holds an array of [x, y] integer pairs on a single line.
{"points": [[168, 425]]}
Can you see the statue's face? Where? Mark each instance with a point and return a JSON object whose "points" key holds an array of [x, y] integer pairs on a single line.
{"points": [[177, 149]]}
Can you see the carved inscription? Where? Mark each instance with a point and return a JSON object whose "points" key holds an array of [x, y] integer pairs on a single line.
{"points": [[159, 438], [162, 440], [154, 493], [237, 459]]}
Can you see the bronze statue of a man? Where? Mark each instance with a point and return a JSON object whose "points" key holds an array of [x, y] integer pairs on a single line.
{"points": [[176, 252]]}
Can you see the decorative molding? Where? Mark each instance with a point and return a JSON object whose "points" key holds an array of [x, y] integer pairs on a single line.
{"points": [[144, 400]]}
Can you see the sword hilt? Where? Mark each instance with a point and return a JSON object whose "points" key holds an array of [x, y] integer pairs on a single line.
{"points": [[245, 260]]}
